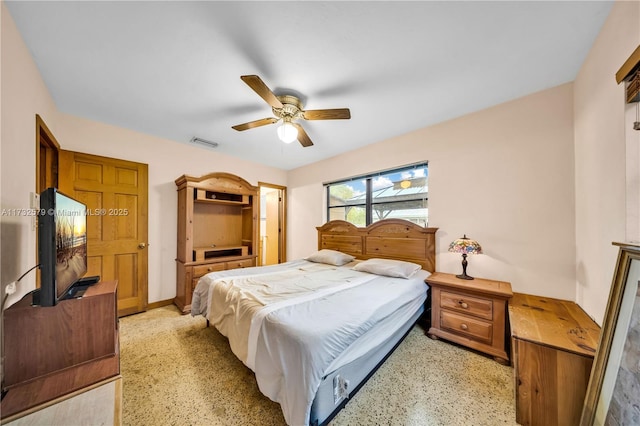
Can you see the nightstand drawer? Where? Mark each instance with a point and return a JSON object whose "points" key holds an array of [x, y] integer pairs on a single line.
{"points": [[469, 327], [469, 305], [201, 270]]}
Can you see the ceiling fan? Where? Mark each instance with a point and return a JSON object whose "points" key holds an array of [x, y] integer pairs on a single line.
{"points": [[288, 108]]}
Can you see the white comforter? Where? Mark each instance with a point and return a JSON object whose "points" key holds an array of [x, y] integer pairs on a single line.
{"points": [[292, 323]]}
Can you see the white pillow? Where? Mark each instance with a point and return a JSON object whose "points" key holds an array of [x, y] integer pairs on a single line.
{"points": [[330, 257], [388, 267]]}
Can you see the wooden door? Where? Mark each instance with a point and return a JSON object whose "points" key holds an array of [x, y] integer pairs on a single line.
{"points": [[115, 192], [47, 148]]}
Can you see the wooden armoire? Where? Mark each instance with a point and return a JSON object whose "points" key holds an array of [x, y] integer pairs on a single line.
{"points": [[217, 229]]}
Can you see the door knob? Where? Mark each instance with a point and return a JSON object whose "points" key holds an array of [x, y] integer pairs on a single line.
{"points": [[141, 245]]}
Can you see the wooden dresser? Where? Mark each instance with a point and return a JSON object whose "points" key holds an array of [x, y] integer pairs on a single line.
{"points": [[54, 351], [470, 312], [553, 344]]}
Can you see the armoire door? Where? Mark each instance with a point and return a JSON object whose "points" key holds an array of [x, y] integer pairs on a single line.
{"points": [[115, 192]]}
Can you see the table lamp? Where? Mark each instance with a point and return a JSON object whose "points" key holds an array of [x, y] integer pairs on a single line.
{"points": [[465, 246]]}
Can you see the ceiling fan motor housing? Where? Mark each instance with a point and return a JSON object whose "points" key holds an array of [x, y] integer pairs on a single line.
{"points": [[291, 107]]}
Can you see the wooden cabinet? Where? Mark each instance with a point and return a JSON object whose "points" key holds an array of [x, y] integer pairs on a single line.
{"points": [[553, 344], [53, 351], [217, 229], [470, 312]]}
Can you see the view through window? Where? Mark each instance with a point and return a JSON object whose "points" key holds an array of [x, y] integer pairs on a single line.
{"points": [[400, 193]]}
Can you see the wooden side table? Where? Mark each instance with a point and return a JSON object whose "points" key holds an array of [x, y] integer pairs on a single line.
{"points": [[553, 345], [470, 312]]}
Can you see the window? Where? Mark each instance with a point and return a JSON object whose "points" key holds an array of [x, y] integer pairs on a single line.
{"points": [[391, 194]]}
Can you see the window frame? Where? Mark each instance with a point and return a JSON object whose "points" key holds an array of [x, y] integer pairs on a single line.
{"points": [[368, 178]]}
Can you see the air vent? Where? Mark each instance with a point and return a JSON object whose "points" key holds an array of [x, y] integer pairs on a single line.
{"points": [[204, 142]]}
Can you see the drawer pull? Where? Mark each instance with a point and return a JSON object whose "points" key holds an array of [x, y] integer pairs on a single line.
{"points": [[464, 327], [463, 304], [209, 269]]}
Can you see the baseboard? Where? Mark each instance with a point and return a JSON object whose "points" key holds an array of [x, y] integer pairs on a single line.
{"points": [[160, 304]]}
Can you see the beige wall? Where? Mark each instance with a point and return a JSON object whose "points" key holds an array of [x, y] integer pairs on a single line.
{"points": [[24, 91], [503, 176], [24, 95], [600, 156], [633, 173]]}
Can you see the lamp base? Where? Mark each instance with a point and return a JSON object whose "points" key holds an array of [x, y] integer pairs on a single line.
{"points": [[464, 277]]}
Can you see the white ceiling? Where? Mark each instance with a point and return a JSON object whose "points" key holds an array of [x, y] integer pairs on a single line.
{"points": [[172, 68]]}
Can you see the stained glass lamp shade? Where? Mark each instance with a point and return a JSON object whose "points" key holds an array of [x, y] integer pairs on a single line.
{"points": [[466, 246]]}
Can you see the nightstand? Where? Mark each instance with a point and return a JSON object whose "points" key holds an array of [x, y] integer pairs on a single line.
{"points": [[471, 313]]}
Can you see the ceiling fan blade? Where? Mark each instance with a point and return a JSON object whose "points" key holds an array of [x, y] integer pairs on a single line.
{"points": [[327, 114], [262, 90], [303, 137], [257, 123]]}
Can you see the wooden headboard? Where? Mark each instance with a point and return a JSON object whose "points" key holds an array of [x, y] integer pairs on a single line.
{"points": [[389, 238]]}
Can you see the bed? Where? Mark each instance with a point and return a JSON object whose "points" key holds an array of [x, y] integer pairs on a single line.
{"points": [[314, 330]]}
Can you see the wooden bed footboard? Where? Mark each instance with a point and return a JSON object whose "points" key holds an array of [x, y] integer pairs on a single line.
{"points": [[388, 239]]}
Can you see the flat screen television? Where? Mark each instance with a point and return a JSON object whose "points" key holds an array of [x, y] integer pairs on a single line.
{"points": [[62, 245]]}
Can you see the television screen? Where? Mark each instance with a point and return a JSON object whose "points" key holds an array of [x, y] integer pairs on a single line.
{"points": [[62, 243], [71, 242]]}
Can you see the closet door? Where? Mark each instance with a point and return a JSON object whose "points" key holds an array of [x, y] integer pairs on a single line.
{"points": [[115, 192]]}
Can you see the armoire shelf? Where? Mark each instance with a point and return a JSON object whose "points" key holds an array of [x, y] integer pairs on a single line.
{"points": [[204, 196]]}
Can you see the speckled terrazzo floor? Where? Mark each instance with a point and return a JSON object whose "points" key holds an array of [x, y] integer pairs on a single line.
{"points": [[178, 372]]}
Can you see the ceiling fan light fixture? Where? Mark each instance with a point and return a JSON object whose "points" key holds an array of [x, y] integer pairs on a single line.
{"points": [[287, 132]]}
